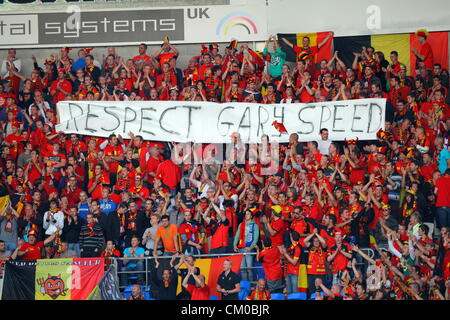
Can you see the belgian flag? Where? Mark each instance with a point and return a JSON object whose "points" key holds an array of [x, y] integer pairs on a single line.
{"points": [[52, 279], [325, 51], [402, 43], [212, 268]]}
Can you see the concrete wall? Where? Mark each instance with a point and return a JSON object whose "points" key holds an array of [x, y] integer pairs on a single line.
{"points": [[358, 17], [187, 51], [37, 5]]}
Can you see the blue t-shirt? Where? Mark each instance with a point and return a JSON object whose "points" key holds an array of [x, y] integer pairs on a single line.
{"points": [[138, 252], [444, 155], [107, 206], [83, 210]]}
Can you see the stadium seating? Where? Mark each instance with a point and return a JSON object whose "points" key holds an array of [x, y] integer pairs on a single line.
{"points": [[127, 291], [297, 296], [245, 290], [259, 272], [147, 296], [313, 296], [277, 296]]}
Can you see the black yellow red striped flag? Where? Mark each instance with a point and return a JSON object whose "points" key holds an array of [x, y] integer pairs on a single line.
{"points": [[52, 279]]}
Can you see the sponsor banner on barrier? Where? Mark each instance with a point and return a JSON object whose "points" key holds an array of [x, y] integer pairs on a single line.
{"points": [[209, 122], [131, 26]]}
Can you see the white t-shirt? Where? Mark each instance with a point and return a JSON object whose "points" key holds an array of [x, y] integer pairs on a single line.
{"points": [[323, 146], [50, 226]]}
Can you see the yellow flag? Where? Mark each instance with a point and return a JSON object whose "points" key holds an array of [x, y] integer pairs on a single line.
{"points": [[4, 205]]}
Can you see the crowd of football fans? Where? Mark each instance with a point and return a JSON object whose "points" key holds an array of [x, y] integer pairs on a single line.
{"points": [[309, 224]]}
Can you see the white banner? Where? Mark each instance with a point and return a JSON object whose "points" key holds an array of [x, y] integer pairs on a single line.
{"points": [[208, 122]]}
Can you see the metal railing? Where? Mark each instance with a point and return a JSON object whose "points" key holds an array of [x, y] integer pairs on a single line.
{"points": [[148, 259]]}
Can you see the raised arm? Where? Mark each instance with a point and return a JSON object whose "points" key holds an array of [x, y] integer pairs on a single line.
{"points": [[320, 45], [362, 254], [186, 279], [355, 61], [197, 280], [50, 239], [288, 42]]}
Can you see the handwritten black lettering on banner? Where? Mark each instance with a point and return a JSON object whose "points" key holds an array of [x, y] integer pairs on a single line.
{"points": [[208, 122]]}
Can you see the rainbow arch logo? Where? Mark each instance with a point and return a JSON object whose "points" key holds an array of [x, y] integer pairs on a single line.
{"points": [[236, 19]]}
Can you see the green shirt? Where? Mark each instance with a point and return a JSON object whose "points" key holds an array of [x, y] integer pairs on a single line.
{"points": [[277, 60]]}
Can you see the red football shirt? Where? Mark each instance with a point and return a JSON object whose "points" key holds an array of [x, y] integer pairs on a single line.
{"points": [[152, 166], [271, 263], [33, 173], [170, 172], [97, 192], [443, 193], [141, 58], [58, 96], [426, 51], [427, 171], [198, 293], [34, 251], [311, 51], [279, 226], [293, 269], [340, 261], [165, 57], [113, 151]]}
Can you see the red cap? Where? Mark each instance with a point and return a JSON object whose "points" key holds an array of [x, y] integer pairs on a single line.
{"points": [[422, 33], [12, 96], [15, 124], [32, 233], [62, 70]]}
